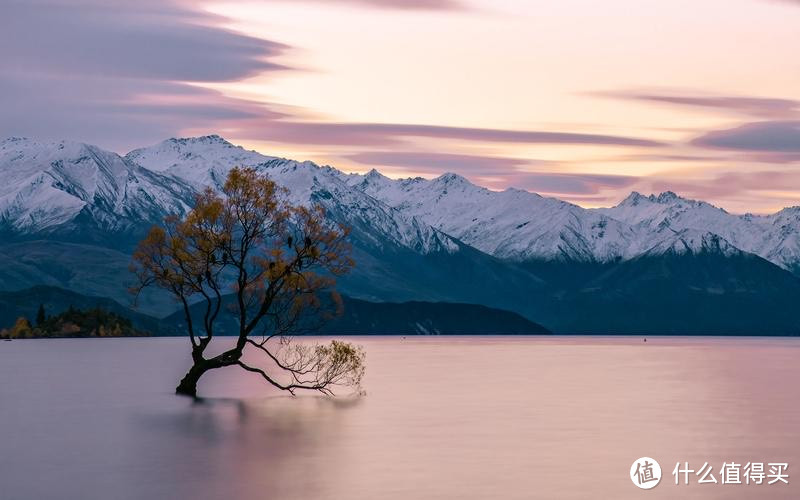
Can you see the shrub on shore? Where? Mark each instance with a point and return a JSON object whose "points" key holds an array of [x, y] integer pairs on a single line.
{"points": [[95, 322]]}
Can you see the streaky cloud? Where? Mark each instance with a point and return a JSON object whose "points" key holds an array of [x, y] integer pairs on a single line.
{"points": [[117, 73], [763, 107], [569, 184], [117, 113], [440, 162], [778, 137], [731, 184], [129, 41], [372, 134]]}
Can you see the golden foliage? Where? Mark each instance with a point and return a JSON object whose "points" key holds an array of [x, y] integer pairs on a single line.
{"points": [[21, 330]]}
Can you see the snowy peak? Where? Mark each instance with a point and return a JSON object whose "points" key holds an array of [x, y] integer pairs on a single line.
{"points": [[512, 224], [634, 199], [203, 140], [654, 213], [373, 176], [775, 237], [372, 180], [451, 179], [665, 198], [68, 187], [47, 186], [50, 184], [206, 161], [198, 161], [374, 221]]}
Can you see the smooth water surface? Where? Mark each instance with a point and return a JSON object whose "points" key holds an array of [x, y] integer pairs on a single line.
{"points": [[443, 418]]}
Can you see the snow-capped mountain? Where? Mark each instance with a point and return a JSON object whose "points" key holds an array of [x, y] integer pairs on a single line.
{"points": [[48, 186], [70, 213], [782, 245], [65, 186], [72, 187], [520, 226], [206, 161], [197, 161], [774, 237], [511, 224]]}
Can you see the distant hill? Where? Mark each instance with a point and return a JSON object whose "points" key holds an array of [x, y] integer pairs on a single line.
{"points": [[429, 318], [678, 293], [359, 317], [88, 269]]}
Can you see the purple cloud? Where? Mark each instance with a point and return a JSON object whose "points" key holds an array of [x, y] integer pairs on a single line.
{"points": [[672, 158], [112, 72], [571, 184], [117, 113], [766, 107], [731, 185], [382, 134], [768, 137], [438, 163], [128, 41]]}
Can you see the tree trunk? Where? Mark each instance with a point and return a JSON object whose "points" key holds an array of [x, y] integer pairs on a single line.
{"points": [[188, 385]]}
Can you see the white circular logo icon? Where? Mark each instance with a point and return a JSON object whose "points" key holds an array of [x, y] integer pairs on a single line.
{"points": [[645, 473]]}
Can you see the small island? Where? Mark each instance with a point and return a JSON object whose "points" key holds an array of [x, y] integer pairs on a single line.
{"points": [[72, 323]]}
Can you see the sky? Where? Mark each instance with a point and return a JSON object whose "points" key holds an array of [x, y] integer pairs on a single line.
{"points": [[578, 99]]}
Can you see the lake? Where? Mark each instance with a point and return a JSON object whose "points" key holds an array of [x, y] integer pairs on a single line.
{"points": [[442, 418]]}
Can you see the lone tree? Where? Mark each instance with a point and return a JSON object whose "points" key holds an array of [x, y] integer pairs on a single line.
{"points": [[250, 253]]}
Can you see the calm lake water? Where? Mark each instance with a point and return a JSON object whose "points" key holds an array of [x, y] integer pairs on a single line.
{"points": [[443, 418]]}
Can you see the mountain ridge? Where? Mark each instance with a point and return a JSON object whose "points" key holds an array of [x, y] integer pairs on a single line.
{"points": [[444, 239], [76, 188]]}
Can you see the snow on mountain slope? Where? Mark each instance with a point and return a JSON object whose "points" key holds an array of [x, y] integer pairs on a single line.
{"points": [[511, 224], [46, 185], [66, 186], [307, 181], [781, 243], [519, 225], [198, 161], [206, 161], [774, 237], [668, 210]]}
